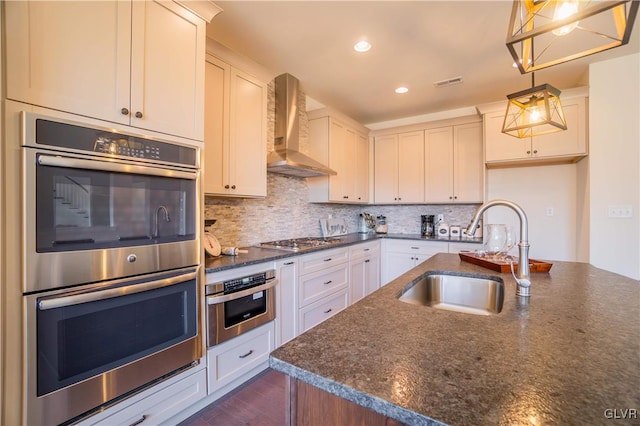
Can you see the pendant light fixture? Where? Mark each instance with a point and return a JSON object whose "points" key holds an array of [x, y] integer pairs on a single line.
{"points": [[533, 112], [563, 30]]}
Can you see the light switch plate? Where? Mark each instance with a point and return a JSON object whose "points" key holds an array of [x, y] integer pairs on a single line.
{"points": [[620, 211]]}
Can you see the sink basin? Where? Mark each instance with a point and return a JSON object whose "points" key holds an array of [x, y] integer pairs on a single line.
{"points": [[455, 291]]}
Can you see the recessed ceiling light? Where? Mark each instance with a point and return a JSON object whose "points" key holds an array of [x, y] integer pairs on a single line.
{"points": [[362, 46], [402, 89]]}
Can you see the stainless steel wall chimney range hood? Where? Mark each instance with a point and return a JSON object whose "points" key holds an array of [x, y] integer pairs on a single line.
{"points": [[287, 159]]}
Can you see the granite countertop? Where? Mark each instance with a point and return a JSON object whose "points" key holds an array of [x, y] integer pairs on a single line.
{"points": [[257, 255], [566, 357]]}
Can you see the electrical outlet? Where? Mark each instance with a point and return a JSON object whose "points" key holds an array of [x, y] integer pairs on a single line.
{"points": [[620, 212], [549, 211], [440, 218]]}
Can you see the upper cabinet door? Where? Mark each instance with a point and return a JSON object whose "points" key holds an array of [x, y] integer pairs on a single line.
{"points": [[468, 167], [167, 69], [70, 56], [386, 169], [439, 165], [411, 167], [137, 63]]}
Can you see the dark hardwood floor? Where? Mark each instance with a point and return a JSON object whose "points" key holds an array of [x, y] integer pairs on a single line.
{"points": [[260, 401]]}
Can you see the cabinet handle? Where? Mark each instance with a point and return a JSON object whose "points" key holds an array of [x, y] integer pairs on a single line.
{"points": [[124, 111], [535, 151], [528, 152], [367, 261], [346, 197], [289, 263], [226, 187], [246, 355], [328, 282], [138, 114], [142, 419], [328, 259], [367, 249], [415, 248], [328, 310], [233, 187]]}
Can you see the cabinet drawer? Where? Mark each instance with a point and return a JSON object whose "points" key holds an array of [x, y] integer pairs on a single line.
{"points": [[364, 249], [322, 260], [319, 284], [417, 247], [229, 360], [161, 405], [464, 247], [323, 309]]}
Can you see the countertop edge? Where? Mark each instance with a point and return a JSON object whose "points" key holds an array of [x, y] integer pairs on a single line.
{"points": [[365, 400]]}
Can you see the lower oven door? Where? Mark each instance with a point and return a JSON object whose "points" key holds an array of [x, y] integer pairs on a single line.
{"points": [[229, 315], [86, 347]]}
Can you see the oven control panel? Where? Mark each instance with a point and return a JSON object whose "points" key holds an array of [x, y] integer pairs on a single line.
{"points": [[237, 284], [128, 147]]}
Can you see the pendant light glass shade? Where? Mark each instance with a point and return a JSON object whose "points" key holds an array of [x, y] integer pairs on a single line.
{"points": [[535, 111], [563, 30]]}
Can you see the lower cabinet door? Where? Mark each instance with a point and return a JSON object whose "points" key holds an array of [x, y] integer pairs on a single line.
{"points": [[323, 309], [230, 360], [158, 406]]}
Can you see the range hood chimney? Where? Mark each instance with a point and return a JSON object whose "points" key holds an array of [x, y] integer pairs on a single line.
{"points": [[287, 159]]}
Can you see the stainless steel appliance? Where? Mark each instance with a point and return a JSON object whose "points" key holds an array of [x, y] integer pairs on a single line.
{"points": [[300, 244], [110, 266], [428, 225], [238, 305]]}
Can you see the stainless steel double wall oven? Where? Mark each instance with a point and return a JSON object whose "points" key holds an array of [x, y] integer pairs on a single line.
{"points": [[110, 265]]}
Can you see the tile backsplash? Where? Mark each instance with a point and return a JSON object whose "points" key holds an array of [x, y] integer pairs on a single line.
{"points": [[285, 213]]}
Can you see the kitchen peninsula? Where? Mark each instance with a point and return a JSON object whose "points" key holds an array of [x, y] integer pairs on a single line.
{"points": [[566, 355]]}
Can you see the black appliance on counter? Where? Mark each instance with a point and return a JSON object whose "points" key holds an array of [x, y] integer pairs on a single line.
{"points": [[428, 225]]}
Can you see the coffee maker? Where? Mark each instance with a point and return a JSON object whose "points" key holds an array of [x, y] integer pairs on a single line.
{"points": [[428, 225]]}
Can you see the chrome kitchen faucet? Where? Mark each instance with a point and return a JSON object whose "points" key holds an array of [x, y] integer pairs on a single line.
{"points": [[523, 277]]}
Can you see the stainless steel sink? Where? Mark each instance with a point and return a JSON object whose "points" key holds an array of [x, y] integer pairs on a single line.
{"points": [[455, 291]]}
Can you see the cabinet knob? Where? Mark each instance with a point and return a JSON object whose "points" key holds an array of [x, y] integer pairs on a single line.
{"points": [[399, 199], [451, 198], [346, 197], [124, 111], [226, 187], [367, 261], [535, 151], [233, 187], [455, 197], [138, 114], [528, 152]]}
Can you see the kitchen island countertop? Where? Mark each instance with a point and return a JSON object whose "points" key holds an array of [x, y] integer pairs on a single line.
{"points": [[570, 354], [257, 255]]}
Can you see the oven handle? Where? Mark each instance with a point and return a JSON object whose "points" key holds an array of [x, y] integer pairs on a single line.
{"points": [[94, 296], [111, 166], [215, 300]]}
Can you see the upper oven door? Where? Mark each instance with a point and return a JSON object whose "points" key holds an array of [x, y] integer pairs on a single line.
{"points": [[91, 219]]}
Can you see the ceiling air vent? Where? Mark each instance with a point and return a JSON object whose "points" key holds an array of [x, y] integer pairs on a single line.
{"points": [[448, 82]]}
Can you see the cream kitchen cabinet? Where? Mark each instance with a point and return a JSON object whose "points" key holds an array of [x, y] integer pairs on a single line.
{"points": [[323, 286], [344, 148], [287, 294], [454, 170], [399, 168], [364, 274], [137, 63], [566, 146], [399, 256], [235, 149]]}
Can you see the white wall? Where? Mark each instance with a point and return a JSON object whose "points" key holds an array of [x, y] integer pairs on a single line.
{"points": [[535, 189], [614, 163]]}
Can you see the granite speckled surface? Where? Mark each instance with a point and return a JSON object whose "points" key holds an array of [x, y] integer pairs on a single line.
{"points": [[565, 357], [258, 255]]}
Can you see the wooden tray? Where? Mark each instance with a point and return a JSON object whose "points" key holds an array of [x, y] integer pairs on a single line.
{"points": [[504, 267]]}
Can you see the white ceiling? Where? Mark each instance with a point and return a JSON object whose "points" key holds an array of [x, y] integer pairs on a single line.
{"points": [[415, 44]]}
